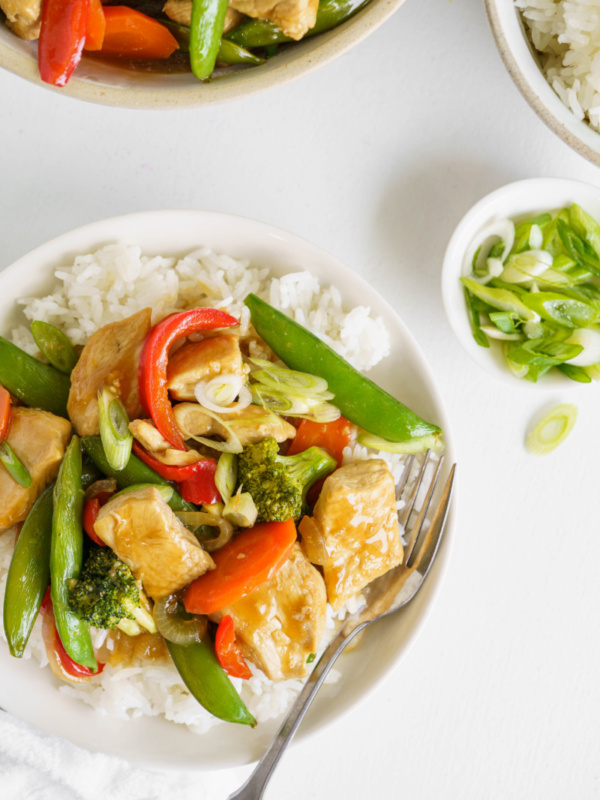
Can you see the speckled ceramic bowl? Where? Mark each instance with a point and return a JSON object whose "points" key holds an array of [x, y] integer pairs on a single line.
{"points": [[521, 60], [115, 86]]}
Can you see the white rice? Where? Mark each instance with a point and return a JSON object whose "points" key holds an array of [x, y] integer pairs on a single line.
{"points": [[566, 33], [114, 283]]}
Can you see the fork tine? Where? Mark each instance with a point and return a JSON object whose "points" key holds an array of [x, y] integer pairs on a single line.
{"points": [[407, 511], [416, 528], [404, 477], [433, 537]]}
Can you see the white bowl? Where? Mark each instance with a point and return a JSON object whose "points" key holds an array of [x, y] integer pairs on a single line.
{"points": [[112, 85], [521, 60], [521, 199], [31, 693]]}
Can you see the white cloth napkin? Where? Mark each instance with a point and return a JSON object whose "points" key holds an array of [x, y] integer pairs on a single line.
{"points": [[36, 766]]}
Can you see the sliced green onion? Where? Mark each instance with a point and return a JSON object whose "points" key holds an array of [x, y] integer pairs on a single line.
{"points": [[198, 521], [495, 333], [590, 341], [282, 378], [55, 346], [522, 267], [593, 371], [231, 445], [166, 492], [226, 475], [574, 373], [15, 468], [171, 624], [412, 446], [219, 394], [240, 510], [114, 429], [551, 430], [481, 246]]}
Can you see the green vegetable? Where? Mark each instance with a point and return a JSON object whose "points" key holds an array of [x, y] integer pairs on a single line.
{"points": [[562, 310], [502, 299], [585, 227], [208, 682], [226, 475], [523, 232], [35, 384], [66, 556], [357, 397], [414, 446], [229, 52], [279, 484], [55, 346], [174, 624], [15, 468], [166, 492], [475, 319], [117, 439], [28, 574], [310, 658], [208, 19], [241, 510], [106, 595], [261, 33], [292, 394], [135, 472], [552, 429], [575, 373]]}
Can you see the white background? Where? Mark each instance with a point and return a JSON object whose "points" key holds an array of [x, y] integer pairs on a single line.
{"points": [[375, 158]]}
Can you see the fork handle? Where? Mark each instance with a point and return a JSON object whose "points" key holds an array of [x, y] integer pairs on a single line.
{"points": [[256, 784]]}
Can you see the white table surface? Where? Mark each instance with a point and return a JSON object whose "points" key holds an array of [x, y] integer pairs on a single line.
{"points": [[375, 158]]}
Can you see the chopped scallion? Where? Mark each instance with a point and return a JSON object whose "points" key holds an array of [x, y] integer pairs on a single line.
{"points": [[226, 475], [552, 429], [15, 468], [114, 429], [166, 492]]}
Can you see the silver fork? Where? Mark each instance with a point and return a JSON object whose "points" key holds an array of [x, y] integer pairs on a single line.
{"points": [[384, 596]]}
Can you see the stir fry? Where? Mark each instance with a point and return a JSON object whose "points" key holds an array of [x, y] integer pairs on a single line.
{"points": [[176, 34], [178, 493]]}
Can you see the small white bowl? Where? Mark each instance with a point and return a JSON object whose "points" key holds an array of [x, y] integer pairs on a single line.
{"points": [[521, 60], [521, 199]]}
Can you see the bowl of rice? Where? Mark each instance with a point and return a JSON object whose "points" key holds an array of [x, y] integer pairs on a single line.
{"points": [[552, 52], [170, 260]]}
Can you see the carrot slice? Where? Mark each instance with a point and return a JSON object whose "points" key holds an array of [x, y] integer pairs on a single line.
{"points": [[96, 27], [131, 34], [331, 436], [249, 560], [4, 412], [228, 651]]}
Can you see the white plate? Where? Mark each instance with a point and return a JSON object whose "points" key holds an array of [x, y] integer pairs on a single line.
{"points": [[30, 693]]}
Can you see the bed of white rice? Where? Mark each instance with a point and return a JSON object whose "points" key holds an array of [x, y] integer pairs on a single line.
{"points": [[114, 283], [567, 35]]}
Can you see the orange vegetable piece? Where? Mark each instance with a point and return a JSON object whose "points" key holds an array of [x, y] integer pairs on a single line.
{"points": [[331, 436], [228, 651], [4, 412], [96, 27], [250, 559], [131, 34]]}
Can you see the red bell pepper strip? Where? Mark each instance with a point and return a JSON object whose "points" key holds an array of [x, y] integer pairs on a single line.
{"points": [[228, 651], [96, 28], [331, 436], [62, 36], [61, 662], [90, 513], [152, 374], [196, 481], [249, 560], [4, 412]]}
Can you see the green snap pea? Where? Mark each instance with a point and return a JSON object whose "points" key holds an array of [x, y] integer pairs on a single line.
{"points": [[134, 473], [66, 556], [208, 682], [35, 384], [208, 19], [15, 468], [261, 33], [28, 574], [229, 52], [357, 397], [55, 346]]}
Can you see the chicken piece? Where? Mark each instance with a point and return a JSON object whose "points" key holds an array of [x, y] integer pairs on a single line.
{"points": [[181, 11], [158, 447], [39, 440], [110, 358], [23, 17], [202, 361], [293, 17], [251, 425], [354, 532], [143, 531], [281, 623]]}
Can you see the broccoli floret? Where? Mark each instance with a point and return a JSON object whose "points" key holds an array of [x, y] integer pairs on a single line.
{"points": [[279, 484], [108, 596]]}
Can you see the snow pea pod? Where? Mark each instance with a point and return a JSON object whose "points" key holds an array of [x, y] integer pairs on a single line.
{"points": [[229, 52], [54, 345], [66, 556], [261, 33], [208, 682], [135, 472], [358, 398], [28, 574], [36, 384], [208, 19]]}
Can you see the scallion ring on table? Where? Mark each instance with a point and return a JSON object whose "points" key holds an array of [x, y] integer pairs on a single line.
{"points": [[15, 468], [552, 429], [220, 393], [114, 429], [172, 626]]}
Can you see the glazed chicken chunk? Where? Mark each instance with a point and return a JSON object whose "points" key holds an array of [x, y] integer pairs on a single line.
{"points": [[23, 17], [281, 623], [154, 442], [181, 11], [354, 532], [202, 361], [294, 17], [145, 533], [110, 358], [251, 425], [39, 440]]}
